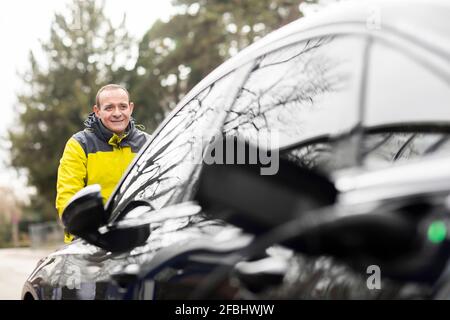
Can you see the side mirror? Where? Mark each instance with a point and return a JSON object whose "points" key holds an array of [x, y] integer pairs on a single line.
{"points": [[85, 212], [243, 196], [85, 215]]}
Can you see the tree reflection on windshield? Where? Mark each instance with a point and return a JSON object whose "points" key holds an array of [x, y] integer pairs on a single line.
{"points": [[289, 90]]}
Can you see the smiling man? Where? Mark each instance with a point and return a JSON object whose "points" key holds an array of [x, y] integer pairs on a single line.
{"points": [[101, 152]]}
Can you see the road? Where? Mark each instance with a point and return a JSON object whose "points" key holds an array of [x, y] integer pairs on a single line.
{"points": [[15, 266]]}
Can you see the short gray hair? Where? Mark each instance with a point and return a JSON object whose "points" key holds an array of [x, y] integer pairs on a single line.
{"points": [[109, 87]]}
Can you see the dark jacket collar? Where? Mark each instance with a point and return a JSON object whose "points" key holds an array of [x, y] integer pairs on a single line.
{"points": [[94, 124]]}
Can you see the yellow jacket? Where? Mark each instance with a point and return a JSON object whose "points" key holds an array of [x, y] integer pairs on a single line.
{"points": [[92, 156]]}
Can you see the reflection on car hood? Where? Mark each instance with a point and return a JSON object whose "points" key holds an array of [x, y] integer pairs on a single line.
{"points": [[190, 230]]}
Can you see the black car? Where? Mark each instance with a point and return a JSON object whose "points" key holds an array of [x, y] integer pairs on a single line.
{"points": [[350, 108]]}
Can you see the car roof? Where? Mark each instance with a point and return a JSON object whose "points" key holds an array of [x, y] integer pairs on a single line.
{"points": [[425, 22]]}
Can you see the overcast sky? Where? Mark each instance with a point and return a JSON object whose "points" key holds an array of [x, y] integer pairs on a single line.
{"points": [[23, 23]]}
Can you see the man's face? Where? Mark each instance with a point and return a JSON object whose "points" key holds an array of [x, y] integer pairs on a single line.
{"points": [[114, 110]]}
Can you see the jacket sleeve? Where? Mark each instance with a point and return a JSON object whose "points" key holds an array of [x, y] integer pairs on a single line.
{"points": [[72, 174]]}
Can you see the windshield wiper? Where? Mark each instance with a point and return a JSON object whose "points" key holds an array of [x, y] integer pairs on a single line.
{"points": [[403, 147]]}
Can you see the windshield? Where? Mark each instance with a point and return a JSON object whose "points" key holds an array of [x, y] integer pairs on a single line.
{"points": [[173, 158]]}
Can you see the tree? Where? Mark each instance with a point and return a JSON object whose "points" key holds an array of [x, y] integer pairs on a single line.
{"points": [[84, 52], [175, 55]]}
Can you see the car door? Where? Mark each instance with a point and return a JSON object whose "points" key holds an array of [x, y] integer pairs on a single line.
{"points": [[312, 95]]}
